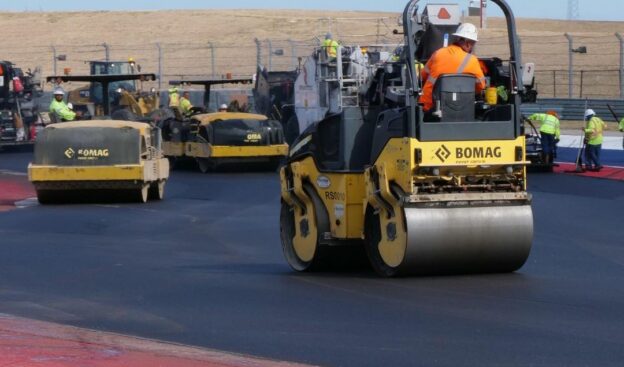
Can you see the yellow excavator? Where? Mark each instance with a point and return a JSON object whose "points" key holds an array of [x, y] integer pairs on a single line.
{"points": [[420, 196]]}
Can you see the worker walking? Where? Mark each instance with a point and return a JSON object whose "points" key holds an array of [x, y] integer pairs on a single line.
{"points": [[550, 132], [174, 97], [593, 136], [185, 104], [59, 108], [454, 59], [330, 46]]}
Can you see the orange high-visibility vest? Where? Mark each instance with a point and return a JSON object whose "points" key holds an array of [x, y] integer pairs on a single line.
{"points": [[449, 60]]}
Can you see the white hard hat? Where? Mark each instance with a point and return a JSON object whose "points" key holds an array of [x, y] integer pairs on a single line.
{"points": [[589, 112], [467, 31], [59, 92], [223, 107]]}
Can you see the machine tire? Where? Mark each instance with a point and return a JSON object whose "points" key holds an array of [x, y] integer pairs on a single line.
{"points": [[172, 162], [206, 165], [372, 236], [287, 230], [45, 197], [141, 194], [157, 190], [291, 130]]}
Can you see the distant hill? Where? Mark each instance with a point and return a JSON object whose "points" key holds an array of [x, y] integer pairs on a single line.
{"points": [[184, 38]]}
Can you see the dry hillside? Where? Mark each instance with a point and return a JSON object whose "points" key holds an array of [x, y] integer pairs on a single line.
{"points": [[185, 36]]}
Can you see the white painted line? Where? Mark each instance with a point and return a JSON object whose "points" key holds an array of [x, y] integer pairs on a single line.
{"points": [[26, 203], [609, 142], [12, 173]]}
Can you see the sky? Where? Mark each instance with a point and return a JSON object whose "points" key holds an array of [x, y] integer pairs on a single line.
{"points": [[551, 9]]}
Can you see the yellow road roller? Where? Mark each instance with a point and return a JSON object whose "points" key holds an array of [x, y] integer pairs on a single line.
{"points": [[421, 194], [97, 159], [84, 159], [219, 138]]}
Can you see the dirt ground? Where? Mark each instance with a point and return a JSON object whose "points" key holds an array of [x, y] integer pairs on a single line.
{"points": [[185, 39]]}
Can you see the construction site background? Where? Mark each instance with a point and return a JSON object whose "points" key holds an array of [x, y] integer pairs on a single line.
{"points": [[220, 42]]}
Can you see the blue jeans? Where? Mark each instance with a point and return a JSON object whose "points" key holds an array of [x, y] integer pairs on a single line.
{"points": [[548, 144], [592, 155]]}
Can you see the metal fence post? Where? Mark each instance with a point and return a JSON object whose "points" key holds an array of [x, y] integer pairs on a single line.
{"points": [[581, 88], [212, 58], [570, 65], [106, 51], [293, 53], [54, 59], [270, 54], [258, 52], [160, 65], [554, 83], [621, 39]]}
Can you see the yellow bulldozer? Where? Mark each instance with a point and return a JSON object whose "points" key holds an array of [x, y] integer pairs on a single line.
{"points": [[419, 196]]}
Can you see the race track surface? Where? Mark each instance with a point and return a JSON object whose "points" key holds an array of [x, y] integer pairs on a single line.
{"points": [[204, 267]]}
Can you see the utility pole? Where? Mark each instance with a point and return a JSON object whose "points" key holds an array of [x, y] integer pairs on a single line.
{"points": [[160, 65], [573, 9], [106, 51], [54, 58], [212, 58], [483, 14], [258, 52], [570, 65]]}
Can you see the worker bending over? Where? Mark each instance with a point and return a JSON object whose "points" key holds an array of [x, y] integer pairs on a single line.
{"points": [[550, 132]]}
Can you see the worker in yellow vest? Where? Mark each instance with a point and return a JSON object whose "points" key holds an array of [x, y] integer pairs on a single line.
{"points": [[550, 132], [330, 46], [174, 97], [185, 104], [593, 136], [58, 107]]}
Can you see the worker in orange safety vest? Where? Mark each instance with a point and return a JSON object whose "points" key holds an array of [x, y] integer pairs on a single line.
{"points": [[454, 59]]}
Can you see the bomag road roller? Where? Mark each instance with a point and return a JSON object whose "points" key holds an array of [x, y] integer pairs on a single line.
{"points": [[420, 195], [96, 159], [232, 138]]}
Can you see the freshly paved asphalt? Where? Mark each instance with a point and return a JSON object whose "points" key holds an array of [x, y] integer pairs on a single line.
{"points": [[204, 267]]}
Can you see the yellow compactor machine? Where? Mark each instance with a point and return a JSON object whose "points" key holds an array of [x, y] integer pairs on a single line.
{"points": [[233, 138], [444, 195], [83, 159], [93, 159]]}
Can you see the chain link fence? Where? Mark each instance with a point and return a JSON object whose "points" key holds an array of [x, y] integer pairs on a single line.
{"points": [[562, 69]]}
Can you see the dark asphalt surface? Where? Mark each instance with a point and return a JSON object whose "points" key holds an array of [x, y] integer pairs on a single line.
{"points": [[204, 267]]}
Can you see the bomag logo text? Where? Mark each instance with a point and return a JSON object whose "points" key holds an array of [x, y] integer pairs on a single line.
{"points": [[253, 137], [92, 153], [478, 152]]}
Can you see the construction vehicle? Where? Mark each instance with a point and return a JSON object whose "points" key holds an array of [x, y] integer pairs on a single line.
{"points": [[223, 138], [100, 158], [274, 97], [419, 196], [125, 94], [19, 113]]}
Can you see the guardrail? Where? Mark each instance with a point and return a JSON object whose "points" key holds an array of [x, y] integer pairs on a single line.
{"points": [[574, 108]]}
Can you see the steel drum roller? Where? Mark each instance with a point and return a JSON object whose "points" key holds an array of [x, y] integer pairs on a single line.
{"points": [[474, 239]]}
